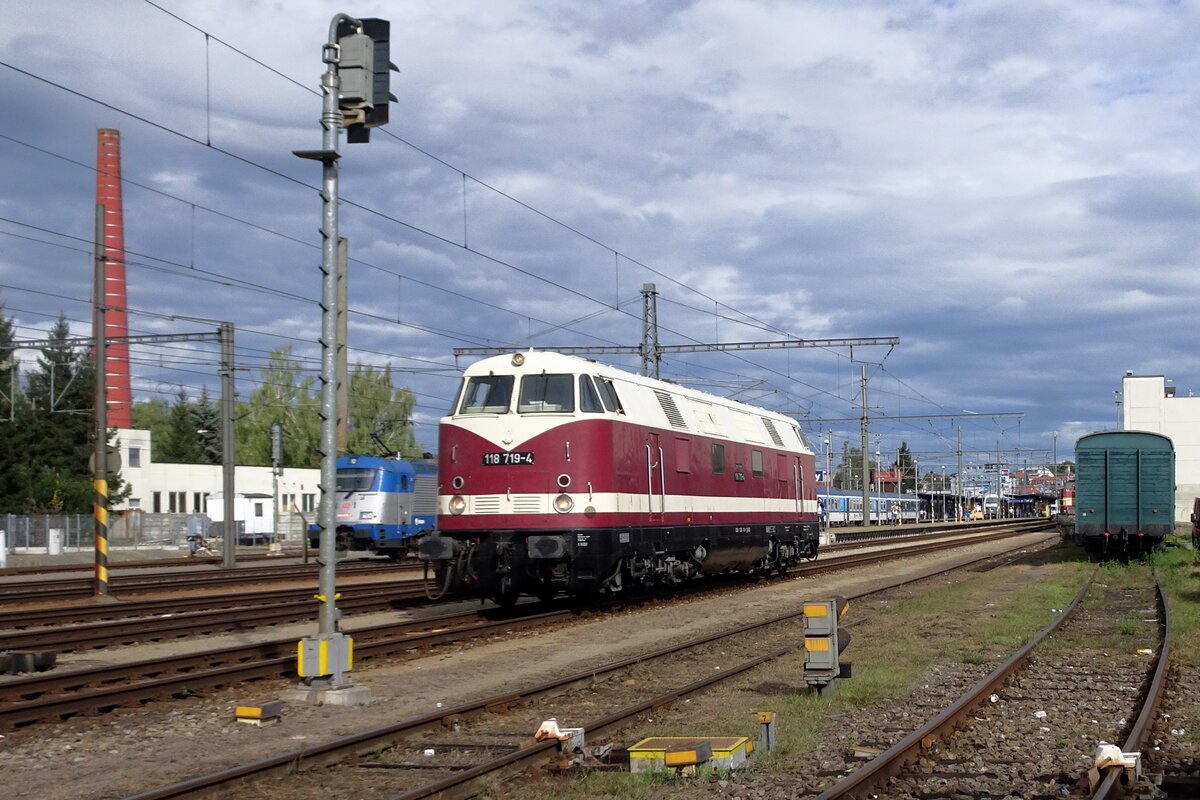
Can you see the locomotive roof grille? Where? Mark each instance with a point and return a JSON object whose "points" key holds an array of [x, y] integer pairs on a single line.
{"points": [[670, 409], [774, 433]]}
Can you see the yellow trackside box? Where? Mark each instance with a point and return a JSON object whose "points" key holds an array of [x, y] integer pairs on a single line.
{"points": [[259, 713], [659, 753]]}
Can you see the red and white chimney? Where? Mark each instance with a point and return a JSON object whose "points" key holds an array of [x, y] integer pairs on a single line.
{"points": [[116, 318]]}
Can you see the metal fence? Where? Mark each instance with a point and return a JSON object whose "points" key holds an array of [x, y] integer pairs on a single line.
{"points": [[125, 529]]}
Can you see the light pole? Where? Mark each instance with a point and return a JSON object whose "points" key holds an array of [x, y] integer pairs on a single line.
{"points": [[877, 489], [828, 475], [917, 488], [899, 485], [943, 492], [1055, 463]]}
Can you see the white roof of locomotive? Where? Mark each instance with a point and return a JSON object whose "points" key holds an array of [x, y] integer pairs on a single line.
{"points": [[538, 361]]}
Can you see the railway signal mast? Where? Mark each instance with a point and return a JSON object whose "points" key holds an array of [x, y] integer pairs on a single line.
{"points": [[355, 96]]}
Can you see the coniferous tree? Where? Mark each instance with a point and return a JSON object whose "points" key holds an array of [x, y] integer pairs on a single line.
{"points": [[207, 421], [13, 441], [55, 420], [181, 444]]}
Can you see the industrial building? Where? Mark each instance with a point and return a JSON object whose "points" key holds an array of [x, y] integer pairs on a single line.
{"points": [[1150, 403]]}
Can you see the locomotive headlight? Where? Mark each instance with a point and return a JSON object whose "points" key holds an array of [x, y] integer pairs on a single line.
{"points": [[563, 503], [457, 504]]}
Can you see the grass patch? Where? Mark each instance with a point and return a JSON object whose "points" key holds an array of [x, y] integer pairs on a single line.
{"points": [[1180, 576]]}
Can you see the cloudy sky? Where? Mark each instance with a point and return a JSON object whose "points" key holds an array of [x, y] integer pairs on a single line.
{"points": [[1008, 187]]}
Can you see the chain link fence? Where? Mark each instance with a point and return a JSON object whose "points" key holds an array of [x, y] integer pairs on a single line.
{"points": [[130, 529]]}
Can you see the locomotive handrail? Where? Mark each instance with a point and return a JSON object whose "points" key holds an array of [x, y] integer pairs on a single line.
{"points": [[662, 481]]}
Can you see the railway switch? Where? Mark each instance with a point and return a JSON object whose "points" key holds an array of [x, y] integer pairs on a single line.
{"points": [[824, 641]]}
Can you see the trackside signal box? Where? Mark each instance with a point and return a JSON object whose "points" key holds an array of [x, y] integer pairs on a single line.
{"points": [[824, 642]]}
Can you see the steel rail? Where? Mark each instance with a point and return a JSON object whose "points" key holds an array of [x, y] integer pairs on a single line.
{"points": [[254, 611], [42, 618], [75, 588], [42, 697], [1110, 786]]}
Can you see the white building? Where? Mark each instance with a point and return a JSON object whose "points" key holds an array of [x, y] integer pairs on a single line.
{"points": [[188, 488], [1149, 404]]}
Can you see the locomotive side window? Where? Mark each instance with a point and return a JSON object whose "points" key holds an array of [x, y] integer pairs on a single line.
{"points": [[487, 394], [718, 458], [589, 401], [457, 397], [756, 463], [546, 393], [608, 394]]}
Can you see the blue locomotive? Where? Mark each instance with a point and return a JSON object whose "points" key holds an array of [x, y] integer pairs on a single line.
{"points": [[1124, 491], [384, 505]]}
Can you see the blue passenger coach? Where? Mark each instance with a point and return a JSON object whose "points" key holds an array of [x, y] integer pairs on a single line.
{"points": [[844, 507], [384, 505]]}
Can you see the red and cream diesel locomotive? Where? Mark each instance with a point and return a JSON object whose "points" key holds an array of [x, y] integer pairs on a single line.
{"points": [[562, 475]]}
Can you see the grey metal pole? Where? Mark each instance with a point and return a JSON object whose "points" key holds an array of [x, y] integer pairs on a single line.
{"points": [[325, 660], [866, 490], [229, 545], [958, 482], [343, 377]]}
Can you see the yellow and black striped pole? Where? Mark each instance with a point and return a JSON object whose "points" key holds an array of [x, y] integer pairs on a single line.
{"points": [[101, 514], [100, 454]]}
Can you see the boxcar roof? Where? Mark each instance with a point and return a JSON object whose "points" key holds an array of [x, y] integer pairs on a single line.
{"points": [[1124, 440]]}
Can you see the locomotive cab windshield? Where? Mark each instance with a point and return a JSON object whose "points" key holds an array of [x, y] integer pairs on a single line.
{"points": [[487, 394], [544, 393], [356, 479]]}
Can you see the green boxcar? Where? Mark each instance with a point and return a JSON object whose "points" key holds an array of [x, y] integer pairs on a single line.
{"points": [[1124, 491]]}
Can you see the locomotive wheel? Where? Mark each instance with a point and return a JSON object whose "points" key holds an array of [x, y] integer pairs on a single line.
{"points": [[507, 599]]}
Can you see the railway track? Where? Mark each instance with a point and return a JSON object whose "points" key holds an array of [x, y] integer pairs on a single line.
{"points": [[993, 738], [52, 590], [474, 742], [154, 620], [162, 620], [62, 694]]}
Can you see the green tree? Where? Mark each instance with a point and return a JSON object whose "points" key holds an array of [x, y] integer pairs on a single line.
{"points": [[377, 409], [208, 428], [14, 470], [56, 421], [181, 442], [154, 416], [903, 465], [287, 395]]}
